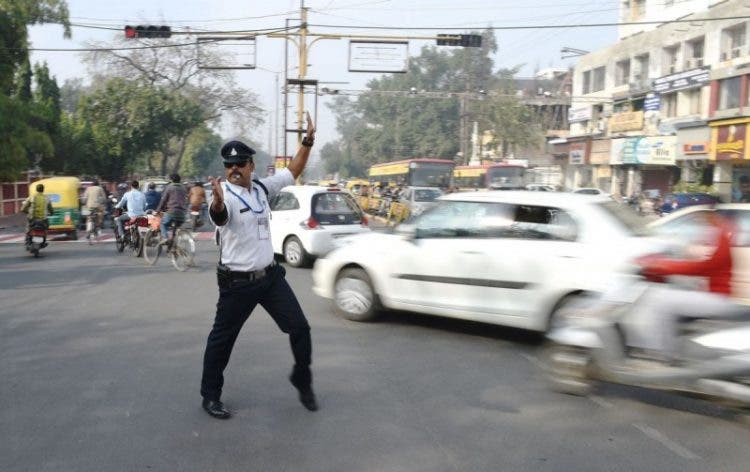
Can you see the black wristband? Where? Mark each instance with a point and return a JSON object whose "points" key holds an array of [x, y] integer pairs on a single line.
{"points": [[308, 142]]}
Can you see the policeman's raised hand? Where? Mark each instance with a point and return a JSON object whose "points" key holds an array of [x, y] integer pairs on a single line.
{"points": [[217, 192], [310, 127]]}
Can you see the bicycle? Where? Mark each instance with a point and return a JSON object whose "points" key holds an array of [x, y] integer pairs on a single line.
{"points": [[93, 228], [180, 247]]}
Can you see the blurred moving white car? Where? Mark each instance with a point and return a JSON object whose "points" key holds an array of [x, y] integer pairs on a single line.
{"points": [[689, 228], [503, 257], [307, 220], [540, 188]]}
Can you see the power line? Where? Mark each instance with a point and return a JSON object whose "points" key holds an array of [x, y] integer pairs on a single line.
{"points": [[579, 25]]}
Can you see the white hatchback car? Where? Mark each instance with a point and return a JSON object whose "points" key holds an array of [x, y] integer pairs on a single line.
{"points": [[307, 220], [503, 257]]}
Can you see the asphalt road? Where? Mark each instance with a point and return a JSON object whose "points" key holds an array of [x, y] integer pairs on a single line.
{"points": [[100, 363]]}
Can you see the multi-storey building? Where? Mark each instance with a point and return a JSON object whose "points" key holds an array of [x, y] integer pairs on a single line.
{"points": [[667, 102]]}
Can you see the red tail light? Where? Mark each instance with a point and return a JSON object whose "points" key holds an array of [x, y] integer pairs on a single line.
{"points": [[311, 223], [365, 221], [37, 232]]}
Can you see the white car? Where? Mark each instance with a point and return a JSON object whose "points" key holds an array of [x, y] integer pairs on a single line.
{"points": [[590, 191], [688, 227], [503, 257], [306, 221], [419, 199], [541, 188]]}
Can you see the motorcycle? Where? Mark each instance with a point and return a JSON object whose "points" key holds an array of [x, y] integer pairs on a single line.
{"points": [[36, 237], [591, 340], [134, 231]]}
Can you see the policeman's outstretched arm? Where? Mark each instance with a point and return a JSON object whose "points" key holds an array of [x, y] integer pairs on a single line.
{"points": [[218, 210], [300, 159]]}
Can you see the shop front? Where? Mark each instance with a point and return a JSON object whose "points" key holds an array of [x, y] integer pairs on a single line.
{"points": [[729, 151], [692, 153], [599, 160], [643, 163], [578, 173]]}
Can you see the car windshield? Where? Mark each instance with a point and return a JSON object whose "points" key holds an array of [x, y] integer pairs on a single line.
{"points": [[629, 219], [335, 208], [426, 195], [588, 191]]}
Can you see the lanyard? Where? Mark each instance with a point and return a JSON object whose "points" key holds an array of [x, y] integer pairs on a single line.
{"points": [[247, 205]]}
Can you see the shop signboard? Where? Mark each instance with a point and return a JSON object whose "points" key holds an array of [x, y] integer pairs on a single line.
{"points": [[683, 80], [615, 152], [626, 121], [577, 153], [652, 102], [656, 150], [579, 114], [729, 141]]}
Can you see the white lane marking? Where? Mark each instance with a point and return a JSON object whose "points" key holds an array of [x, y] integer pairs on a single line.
{"points": [[600, 401], [533, 359], [661, 438]]}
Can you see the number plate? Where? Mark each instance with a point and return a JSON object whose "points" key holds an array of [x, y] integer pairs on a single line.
{"points": [[37, 239]]}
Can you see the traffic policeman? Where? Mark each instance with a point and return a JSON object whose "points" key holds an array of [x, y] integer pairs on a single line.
{"points": [[247, 272]]}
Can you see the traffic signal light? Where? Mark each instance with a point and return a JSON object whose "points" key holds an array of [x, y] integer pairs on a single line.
{"points": [[464, 40], [147, 31]]}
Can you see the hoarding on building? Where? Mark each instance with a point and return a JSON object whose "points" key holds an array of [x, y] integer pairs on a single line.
{"points": [[652, 102], [578, 153], [626, 121], [729, 140], [683, 80], [579, 114], [654, 150], [600, 149]]}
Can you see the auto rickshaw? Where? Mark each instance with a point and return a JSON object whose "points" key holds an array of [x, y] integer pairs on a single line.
{"points": [[63, 193], [355, 186]]}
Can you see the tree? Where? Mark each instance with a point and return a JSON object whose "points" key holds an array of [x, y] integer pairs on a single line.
{"points": [[200, 97], [19, 140]]}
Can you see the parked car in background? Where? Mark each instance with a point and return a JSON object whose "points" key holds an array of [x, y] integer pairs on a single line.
{"points": [[676, 201], [540, 188], [590, 191], [687, 228], [306, 221], [502, 257], [419, 199]]}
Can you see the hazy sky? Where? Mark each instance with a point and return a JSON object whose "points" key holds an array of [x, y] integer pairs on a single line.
{"points": [[534, 48]]}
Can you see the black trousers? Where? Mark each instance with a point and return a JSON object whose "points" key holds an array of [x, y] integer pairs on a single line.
{"points": [[236, 301]]}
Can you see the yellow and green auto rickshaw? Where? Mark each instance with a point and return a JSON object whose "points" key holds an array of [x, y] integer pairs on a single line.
{"points": [[63, 193]]}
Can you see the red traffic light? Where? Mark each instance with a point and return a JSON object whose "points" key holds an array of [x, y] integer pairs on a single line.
{"points": [[147, 31]]}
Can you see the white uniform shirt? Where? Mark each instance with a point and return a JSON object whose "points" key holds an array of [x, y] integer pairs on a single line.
{"points": [[246, 238]]}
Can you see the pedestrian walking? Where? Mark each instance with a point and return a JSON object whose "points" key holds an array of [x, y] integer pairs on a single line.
{"points": [[247, 272]]}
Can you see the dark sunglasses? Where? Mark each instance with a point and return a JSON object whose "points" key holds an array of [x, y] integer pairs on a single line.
{"points": [[240, 165]]}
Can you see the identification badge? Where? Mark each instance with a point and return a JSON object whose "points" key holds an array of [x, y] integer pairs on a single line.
{"points": [[263, 231]]}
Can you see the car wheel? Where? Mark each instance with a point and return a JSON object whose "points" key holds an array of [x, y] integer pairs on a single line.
{"points": [[354, 296], [294, 252]]}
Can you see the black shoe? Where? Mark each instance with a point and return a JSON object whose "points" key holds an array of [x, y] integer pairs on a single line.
{"points": [[216, 409], [306, 394], [307, 398]]}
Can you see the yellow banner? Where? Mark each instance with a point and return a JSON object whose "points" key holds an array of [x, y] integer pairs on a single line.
{"points": [[626, 121]]}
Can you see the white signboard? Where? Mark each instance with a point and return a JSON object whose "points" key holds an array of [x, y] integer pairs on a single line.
{"points": [[378, 56], [579, 114], [226, 52]]}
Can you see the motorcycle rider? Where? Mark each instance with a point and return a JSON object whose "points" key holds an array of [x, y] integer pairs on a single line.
{"points": [[95, 201], [662, 305], [37, 208], [174, 202], [152, 197], [136, 206]]}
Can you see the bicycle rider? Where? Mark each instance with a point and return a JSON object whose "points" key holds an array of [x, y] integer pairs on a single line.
{"points": [[173, 204], [95, 201]]}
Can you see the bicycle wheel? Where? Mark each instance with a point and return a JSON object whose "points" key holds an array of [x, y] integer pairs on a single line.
{"points": [[183, 250], [136, 246], [151, 247]]}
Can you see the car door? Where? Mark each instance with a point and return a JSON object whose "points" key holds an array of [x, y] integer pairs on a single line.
{"points": [[285, 211], [740, 252], [445, 269]]}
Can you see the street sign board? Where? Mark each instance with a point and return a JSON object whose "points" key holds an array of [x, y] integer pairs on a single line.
{"points": [[378, 56]]}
